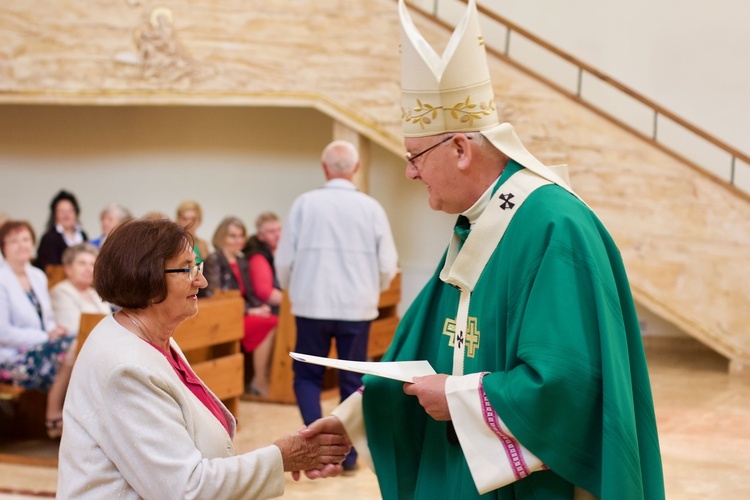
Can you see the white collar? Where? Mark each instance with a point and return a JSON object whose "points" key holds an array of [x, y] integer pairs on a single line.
{"points": [[340, 184], [71, 240], [478, 207]]}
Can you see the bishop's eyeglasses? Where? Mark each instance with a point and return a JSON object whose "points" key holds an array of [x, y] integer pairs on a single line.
{"points": [[410, 157]]}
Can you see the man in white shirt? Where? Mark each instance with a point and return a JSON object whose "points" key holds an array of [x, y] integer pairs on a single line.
{"points": [[335, 256]]}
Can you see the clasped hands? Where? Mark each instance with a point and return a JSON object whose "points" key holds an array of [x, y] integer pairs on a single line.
{"points": [[317, 449]]}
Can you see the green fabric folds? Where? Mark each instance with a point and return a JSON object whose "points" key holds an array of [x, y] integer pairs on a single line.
{"points": [[560, 338]]}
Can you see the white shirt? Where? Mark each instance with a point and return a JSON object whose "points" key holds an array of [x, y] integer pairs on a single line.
{"points": [[336, 254], [75, 239]]}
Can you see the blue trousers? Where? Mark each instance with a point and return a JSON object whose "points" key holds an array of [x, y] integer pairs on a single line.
{"points": [[314, 337]]}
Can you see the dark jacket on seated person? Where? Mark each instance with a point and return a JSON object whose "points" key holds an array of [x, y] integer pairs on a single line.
{"points": [[220, 276], [51, 247], [255, 246]]}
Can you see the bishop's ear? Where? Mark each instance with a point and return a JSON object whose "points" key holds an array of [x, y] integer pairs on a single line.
{"points": [[464, 152]]}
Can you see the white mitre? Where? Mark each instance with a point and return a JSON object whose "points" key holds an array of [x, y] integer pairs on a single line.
{"points": [[453, 93]]}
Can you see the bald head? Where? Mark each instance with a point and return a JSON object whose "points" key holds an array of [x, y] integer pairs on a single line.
{"points": [[340, 160]]}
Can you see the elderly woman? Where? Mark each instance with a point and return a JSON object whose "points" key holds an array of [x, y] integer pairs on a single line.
{"points": [[35, 352], [63, 230], [112, 216], [75, 295], [190, 216], [138, 422], [228, 269]]}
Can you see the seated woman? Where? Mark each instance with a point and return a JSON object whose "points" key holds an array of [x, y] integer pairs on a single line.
{"points": [[228, 269], [112, 216], [74, 295], [63, 230], [138, 422], [35, 352], [259, 250], [190, 216]]}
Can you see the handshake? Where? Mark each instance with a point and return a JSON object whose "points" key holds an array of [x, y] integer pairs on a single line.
{"points": [[317, 449]]}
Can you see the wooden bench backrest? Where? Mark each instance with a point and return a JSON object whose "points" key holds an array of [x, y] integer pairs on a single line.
{"points": [[219, 320], [88, 322], [55, 274], [210, 342]]}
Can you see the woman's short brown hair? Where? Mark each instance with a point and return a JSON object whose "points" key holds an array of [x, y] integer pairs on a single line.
{"points": [[13, 226], [129, 271], [221, 232]]}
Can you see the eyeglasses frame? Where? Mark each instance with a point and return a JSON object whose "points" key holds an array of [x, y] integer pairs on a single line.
{"points": [[198, 267], [410, 158]]}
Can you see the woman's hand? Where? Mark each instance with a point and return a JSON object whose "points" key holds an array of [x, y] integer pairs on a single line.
{"points": [[57, 332], [318, 449], [264, 310]]}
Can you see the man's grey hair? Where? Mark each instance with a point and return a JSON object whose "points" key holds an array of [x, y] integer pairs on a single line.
{"points": [[340, 157], [477, 137]]}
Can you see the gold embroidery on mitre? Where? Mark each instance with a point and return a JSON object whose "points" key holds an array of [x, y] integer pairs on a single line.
{"points": [[468, 112], [423, 113], [472, 334], [481, 40], [464, 111]]}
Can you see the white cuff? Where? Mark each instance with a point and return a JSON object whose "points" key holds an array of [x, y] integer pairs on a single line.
{"points": [[352, 417], [494, 456]]}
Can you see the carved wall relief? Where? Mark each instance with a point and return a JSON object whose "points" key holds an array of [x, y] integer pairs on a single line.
{"points": [[159, 57]]}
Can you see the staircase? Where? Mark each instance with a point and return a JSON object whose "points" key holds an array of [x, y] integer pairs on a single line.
{"points": [[684, 233]]}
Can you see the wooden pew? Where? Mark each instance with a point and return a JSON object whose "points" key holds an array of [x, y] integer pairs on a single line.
{"points": [[55, 274], [210, 342], [381, 335]]}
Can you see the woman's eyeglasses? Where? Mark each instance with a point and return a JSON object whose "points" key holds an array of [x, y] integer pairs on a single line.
{"points": [[193, 270]]}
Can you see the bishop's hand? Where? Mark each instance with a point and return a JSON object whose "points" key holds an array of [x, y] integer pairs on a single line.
{"points": [[430, 390]]}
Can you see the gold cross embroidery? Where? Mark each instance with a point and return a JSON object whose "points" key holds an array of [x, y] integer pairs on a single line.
{"points": [[471, 338]]}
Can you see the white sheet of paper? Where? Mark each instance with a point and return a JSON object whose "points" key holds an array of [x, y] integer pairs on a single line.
{"points": [[404, 371]]}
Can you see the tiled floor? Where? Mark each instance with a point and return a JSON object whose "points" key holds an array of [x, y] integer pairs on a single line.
{"points": [[703, 417]]}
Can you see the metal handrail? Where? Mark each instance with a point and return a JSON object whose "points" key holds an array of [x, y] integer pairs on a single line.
{"points": [[583, 67]]}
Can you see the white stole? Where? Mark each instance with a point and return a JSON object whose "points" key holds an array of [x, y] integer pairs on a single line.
{"points": [[462, 269]]}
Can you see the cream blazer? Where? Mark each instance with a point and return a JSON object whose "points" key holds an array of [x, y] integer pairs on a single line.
{"points": [[132, 429], [68, 305]]}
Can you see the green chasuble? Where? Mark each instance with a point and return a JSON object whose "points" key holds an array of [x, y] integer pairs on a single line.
{"points": [[553, 322]]}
